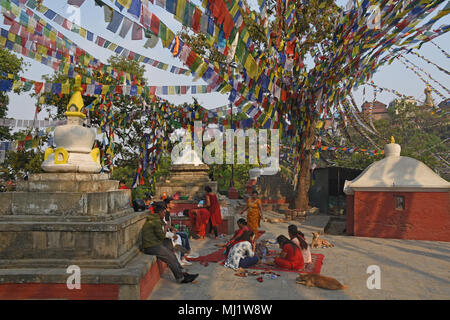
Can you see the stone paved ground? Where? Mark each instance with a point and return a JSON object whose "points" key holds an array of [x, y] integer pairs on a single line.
{"points": [[409, 270]]}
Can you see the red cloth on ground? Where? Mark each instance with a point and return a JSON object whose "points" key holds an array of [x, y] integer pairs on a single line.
{"points": [[214, 210], [293, 260], [199, 220], [216, 256]]}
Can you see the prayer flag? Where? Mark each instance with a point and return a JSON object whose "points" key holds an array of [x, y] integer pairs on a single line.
{"points": [[115, 23], [136, 33]]}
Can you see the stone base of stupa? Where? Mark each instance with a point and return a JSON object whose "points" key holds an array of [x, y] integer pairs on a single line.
{"points": [[57, 220], [187, 179]]}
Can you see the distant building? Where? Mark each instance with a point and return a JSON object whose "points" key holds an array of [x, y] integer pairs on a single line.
{"points": [[379, 110]]}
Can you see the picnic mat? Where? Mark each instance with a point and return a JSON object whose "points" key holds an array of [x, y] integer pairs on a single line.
{"points": [[314, 267], [216, 256]]}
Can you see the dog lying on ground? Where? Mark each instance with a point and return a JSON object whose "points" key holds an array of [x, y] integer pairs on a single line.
{"points": [[316, 280], [319, 243], [273, 220]]}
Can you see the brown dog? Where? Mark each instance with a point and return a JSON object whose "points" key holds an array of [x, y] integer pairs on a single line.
{"points": [[319, 243], [316, 280], [273, 220]]}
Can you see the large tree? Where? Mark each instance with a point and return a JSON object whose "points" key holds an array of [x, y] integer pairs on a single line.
{"points": [[314, 25]]}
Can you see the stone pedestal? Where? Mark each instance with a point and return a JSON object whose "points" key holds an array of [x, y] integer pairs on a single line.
{"points": [[56, 220], [187, 179]]}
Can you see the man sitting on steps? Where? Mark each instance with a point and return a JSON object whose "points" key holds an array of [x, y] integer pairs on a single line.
{"points": [[153, 244]]}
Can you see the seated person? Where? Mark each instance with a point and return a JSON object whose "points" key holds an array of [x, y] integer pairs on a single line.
{"points": [[298, 238], [242, 253], [291, 256], [242, 233], [179, 239], [149, 202], [153, 244], [199, 218]]}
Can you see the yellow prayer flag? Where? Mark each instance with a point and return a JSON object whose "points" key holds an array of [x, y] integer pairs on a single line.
{"points": [[11, 37], [251, 66], [139, 90], [105, 89], [17, 84], [16, 10], [52, 36], [179, 13], [65, 87], [210, 40], [125, 3], [83, 32], [42, 9], [226, 89]]}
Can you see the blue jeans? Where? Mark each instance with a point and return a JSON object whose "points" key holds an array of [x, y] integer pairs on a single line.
{"points": [[248, 262], [184, 240]]}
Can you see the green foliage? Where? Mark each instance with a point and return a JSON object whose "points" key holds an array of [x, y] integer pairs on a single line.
{"points": [[222, 174], [422, 134], [9, 63]]}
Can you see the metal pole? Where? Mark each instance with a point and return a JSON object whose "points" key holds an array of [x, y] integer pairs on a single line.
{"points": [[232, 164]]}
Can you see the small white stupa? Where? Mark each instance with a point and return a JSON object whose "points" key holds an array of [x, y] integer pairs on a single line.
{"points": [[396, 172], [73, 142], [398, 197]]}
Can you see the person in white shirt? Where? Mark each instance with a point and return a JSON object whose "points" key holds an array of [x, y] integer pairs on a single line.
{"points": [[242, 254], [298, 238]]}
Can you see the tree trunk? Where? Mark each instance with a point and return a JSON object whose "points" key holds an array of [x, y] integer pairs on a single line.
{"points": [[304, 176], [304, 181]]}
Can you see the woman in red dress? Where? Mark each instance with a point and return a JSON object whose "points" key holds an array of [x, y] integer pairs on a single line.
{"points": [[242, 234], [291, 256], [214, 210], [199, 219]]}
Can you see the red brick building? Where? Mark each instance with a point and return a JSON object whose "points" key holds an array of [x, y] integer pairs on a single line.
{"points": [[379, 110], [398, 197]]}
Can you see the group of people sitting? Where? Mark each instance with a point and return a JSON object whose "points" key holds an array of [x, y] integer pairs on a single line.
{"points": [[161, 239], [241, 249]]}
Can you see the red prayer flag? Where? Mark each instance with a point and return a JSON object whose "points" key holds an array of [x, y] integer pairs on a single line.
{"points": [[196, 20], [38, 87], [154, 25]]}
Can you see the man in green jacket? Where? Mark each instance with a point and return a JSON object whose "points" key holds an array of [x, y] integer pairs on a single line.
{"points": [[153, 244]]}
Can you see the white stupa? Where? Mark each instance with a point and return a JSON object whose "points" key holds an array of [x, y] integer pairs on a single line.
{"points": [[396, 172]]}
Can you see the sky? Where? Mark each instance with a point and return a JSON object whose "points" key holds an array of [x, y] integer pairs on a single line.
{"points": [[394, 76]]}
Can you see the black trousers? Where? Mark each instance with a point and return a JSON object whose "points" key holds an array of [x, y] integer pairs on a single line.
{"points": [[211, 228], [163, 253]]}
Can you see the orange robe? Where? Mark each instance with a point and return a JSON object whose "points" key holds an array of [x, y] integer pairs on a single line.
{"points": [[253, 216]]}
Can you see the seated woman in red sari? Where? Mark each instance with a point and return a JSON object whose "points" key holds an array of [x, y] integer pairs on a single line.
{"points": [[291, 256], [240, 234], [199, 218]]}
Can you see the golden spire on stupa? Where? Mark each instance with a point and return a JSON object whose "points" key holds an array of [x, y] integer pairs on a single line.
{"points": [[76, 104], [392, 139]]}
